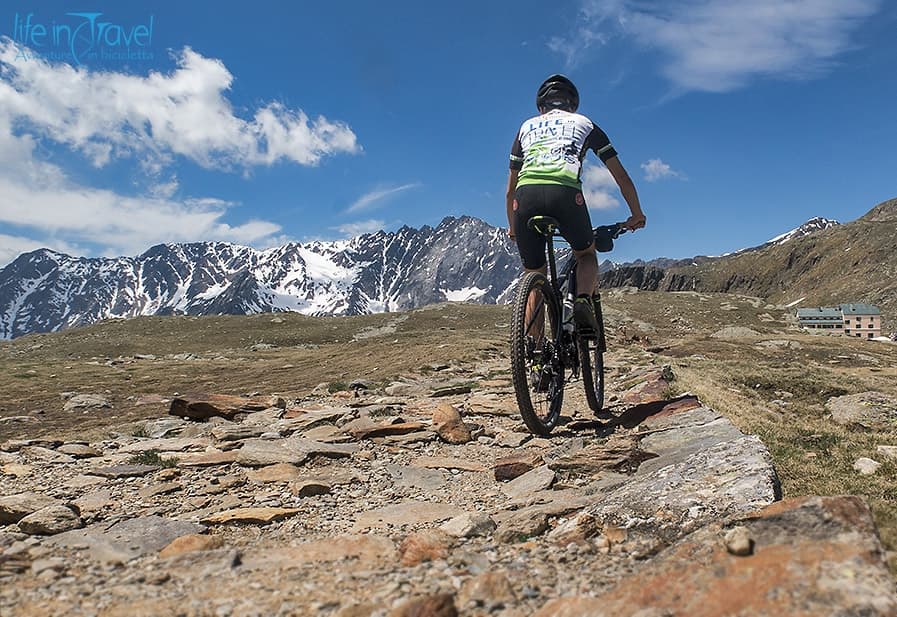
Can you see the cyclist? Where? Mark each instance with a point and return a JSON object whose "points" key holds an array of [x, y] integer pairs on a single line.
{"points": [[546, 165]]}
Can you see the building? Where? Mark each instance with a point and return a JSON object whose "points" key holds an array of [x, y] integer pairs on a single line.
{"points": [[857, 320]]}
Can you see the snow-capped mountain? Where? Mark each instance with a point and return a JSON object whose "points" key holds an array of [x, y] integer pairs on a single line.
{"points": [[810, 227], [461, 259]]}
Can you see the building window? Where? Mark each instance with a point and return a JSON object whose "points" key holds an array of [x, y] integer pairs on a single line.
{"points": [[847, 331], [870, 335], [859, 335]]}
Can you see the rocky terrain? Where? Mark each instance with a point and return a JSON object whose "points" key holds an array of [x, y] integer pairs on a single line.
{"points": [[423, 495]]}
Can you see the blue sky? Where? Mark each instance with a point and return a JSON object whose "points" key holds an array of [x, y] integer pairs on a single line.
{"points": [[267, 122]]}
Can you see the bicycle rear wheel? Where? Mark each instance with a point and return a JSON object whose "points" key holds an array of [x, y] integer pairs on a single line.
{"points": [[536, 367]]}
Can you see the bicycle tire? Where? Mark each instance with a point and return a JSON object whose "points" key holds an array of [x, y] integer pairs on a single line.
{"points": [[540, 374]]}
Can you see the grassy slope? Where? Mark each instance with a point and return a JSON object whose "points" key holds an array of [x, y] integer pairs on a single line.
{"points": [[855, 262]]}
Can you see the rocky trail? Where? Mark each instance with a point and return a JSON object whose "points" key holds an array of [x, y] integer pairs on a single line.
{"points": [[428, 498]]}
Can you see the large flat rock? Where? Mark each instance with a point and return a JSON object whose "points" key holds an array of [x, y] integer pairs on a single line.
{"points": [[701, 468], [811, 557], [294, 450], [127, 539], [407, 513], [731, 477]]}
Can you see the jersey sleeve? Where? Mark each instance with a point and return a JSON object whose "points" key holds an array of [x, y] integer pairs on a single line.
{"points": [[517, 154], [599, 143]]}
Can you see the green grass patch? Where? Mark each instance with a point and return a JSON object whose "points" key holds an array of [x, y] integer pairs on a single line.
{"points": [[152, 457]]}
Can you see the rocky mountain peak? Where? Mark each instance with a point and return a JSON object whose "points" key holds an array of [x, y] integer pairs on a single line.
{"points": [[814, 225]]}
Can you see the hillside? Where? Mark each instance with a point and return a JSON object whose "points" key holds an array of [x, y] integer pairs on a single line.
{"points": [[853, 262]]}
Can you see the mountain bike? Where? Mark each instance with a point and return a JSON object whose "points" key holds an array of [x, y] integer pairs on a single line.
{"points": [[548, 348]]}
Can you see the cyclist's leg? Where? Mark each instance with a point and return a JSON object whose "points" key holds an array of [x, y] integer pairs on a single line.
{"points": [[586, 270], [531, 245], [570, 209]]}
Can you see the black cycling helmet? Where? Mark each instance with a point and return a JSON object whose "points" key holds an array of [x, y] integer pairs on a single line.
{"points": [[557, 92]]}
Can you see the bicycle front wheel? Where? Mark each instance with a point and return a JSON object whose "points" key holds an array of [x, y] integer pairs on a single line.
{"points": [[591, 360], [536, 367]]}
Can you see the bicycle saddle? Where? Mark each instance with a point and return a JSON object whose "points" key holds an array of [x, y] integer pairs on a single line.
{"points": [[544, 225]]}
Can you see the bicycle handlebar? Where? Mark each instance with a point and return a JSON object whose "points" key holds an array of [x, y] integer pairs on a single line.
{"points": [[606, 234]]}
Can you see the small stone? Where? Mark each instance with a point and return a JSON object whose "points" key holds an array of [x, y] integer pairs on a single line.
{"points": [[510, 467], [124, 471], [159, 489], [491, 590], [739, 542], [279, 472], [79, 450], [578, 529], [406, 513], [440, 605], [449, 425], [261, 516], [51, 520], [309, 488], [533, 481], [866, 466], [889, 452], [86, 401], [451, 390], [384, 430], [522, 526], [94, 502], [469, 524], [14, 508], [511, 439], [191, 543], [55, 564], [426, 545], [169, 474], [16, 469]]}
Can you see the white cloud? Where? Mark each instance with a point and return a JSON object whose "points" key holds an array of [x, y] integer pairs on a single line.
{"points": [[110, 115], [120, 224], [371, 199], [46, 209], [719, 45], [656, 169], [599, 188], [358, 228]]}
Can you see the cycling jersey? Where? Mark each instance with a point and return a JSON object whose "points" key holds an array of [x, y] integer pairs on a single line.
{"points": [[550, 147]]}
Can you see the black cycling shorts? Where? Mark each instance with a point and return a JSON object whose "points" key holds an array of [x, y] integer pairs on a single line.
{"points": [[564, 203]]}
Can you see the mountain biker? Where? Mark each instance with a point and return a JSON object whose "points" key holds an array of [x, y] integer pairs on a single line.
{"points": [[545, 179]]}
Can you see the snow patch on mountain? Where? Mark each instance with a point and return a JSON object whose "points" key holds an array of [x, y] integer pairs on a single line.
{"points": [[466, 294], [812, 226]]}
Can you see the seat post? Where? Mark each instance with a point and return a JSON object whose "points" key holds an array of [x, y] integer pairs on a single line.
{"points": [[552, 265]]}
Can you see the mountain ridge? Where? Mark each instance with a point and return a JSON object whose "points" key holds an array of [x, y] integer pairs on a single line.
{"points": [[462, 258]]}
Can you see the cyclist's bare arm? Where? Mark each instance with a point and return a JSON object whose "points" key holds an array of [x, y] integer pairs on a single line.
{"points": [[509, 199], [627, 188]]}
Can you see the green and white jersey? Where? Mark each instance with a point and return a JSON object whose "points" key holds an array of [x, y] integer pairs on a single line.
{"points": [[550, 147]]}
